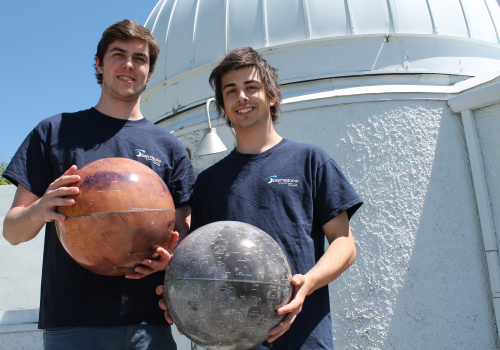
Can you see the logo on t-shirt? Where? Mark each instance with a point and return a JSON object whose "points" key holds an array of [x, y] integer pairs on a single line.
{"points": [[142, 154], [274, 179]]}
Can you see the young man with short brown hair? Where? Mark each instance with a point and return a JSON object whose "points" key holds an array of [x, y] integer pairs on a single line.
{"points": [[80, 309]]}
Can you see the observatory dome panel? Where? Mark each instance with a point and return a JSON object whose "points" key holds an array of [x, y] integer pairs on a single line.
{"points": [[327, 19], [369, 17], [286, 22], [448, 18], [160, 28], [179, 52], [412, 19], [476, 14], [209, 35], [245, 24], [150, 22]]}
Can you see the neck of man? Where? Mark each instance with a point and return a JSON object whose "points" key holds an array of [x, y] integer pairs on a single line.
{"points": [[127, 110], [252, 141]]}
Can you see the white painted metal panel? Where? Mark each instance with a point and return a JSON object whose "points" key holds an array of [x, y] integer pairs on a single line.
{"points": [[178, 53], [370, 17], [160, 29], [350, 57], [210, 34], [479, 20], [245, 24], [452, 58], [412, 17], [448, 18], [285, 22], [327, 18], [494, 11], [152, 16]]}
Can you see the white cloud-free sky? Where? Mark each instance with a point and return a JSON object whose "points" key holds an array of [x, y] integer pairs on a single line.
{"points": [[46, 59]]}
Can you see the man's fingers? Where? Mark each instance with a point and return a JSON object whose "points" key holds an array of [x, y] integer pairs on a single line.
{"points": [[160, 290], [174, 238], [283, 326]]}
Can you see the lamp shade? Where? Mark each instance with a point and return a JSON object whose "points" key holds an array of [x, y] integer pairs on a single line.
{"points": [[210, 143]]}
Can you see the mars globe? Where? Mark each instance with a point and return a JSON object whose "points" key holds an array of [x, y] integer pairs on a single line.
{"points": [[224, 284], [123, 212]]}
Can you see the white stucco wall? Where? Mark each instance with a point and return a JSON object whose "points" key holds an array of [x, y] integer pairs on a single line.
{"points": [[420, 279], [420, 275]]}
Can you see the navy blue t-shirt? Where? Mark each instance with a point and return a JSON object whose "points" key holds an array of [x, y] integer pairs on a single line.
{"points": [[290, 191], [71, 295]]}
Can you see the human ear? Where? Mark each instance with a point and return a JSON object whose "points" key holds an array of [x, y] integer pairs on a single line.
{"points": [[98, 65]]}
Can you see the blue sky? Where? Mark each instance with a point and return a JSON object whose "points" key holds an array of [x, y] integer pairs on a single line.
{"points": [[47, 55]]}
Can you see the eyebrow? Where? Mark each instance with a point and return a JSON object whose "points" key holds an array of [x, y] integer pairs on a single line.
{"points": [[245, 83], [117, 48]]}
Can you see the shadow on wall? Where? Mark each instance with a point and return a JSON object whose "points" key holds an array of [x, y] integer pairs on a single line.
{"points": [[444, 301]]}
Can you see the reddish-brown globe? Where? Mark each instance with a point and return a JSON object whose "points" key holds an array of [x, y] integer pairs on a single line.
{"points": [[123, 212]]}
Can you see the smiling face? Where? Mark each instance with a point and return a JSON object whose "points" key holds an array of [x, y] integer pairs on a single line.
{"points": [[245, 101], [125, 69]]}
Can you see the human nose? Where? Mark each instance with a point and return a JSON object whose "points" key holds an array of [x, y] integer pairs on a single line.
{"points": [[242, 97], [128, 63]]}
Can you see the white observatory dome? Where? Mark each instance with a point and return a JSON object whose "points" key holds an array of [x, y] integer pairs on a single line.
{"points": [[317, 39]]}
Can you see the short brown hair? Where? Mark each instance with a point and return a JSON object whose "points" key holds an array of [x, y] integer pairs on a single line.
{"points": [[127, 30], [242, 58]]}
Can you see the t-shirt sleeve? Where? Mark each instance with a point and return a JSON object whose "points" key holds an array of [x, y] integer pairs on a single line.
{"points": [[333, 193], [182, 177], [29, 167]]}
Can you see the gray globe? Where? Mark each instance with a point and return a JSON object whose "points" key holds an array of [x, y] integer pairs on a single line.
{"points": [[224, 284]]}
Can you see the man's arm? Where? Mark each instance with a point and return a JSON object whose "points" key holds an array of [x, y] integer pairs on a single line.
{"points": [[338, 257], [29, 212]]}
